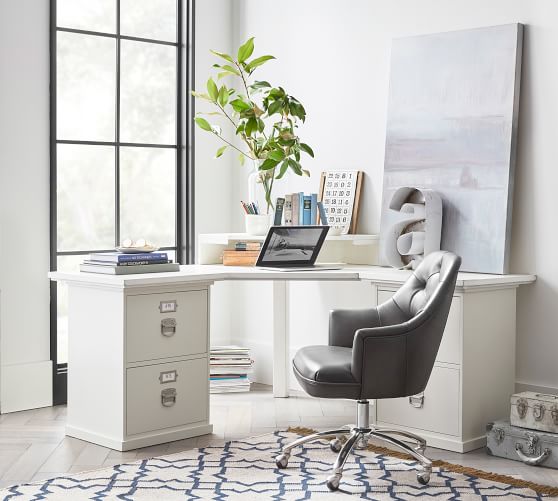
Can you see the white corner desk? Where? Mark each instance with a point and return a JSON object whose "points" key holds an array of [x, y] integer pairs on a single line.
{"points": [[139, 354]]}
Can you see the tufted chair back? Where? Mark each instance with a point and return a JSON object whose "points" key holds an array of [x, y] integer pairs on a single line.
{"points": [[421, 307]]}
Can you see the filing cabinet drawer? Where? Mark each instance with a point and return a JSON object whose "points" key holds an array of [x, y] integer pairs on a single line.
{"points": [[166, 395], [436, 410], [450, 347], [154, 331]]}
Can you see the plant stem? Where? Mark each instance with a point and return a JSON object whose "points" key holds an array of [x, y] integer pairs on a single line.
{"points": [[233, 146]]}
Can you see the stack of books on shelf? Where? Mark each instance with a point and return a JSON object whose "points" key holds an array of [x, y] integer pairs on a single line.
{"points": [[243, 254], [229, 367], [299, 209], [118, 263]]}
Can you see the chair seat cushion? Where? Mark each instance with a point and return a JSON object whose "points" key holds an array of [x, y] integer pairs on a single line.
{"points": [[325, 371], [328, 364]]}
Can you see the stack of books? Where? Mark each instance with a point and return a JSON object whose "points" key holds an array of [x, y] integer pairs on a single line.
{"points": [[243, 254], [229, 367], [118, 263], [299, 209]]}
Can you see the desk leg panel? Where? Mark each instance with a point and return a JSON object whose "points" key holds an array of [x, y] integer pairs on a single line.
{"points": [[281, 360]]}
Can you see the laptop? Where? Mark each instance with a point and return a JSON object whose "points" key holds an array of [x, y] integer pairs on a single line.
{"points": [[293, 248]]}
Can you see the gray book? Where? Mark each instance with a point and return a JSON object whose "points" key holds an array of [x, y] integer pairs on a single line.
{"points": [[128, 270]]}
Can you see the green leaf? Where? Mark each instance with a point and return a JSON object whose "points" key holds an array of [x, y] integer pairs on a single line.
{"points": [[220, 151], [260, 84], [223, 96], [203, 124], [251, 126], [276, 155], [268, 164], [223, 55], [212, 89], [252, 65], [295, 166], [274, 107], [245, 50], [306, 172], [284, 168], [297, 109], [304, 147], [200, 95], [239, 105]]}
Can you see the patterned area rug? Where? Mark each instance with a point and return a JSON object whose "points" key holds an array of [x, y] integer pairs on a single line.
{"points": [[245, 470]]}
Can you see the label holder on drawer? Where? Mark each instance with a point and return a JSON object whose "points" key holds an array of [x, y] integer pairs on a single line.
{"points": [[168, 306], [168, 377]]}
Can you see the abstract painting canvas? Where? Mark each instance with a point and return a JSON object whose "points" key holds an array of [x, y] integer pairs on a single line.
{"points": [[451, 128]]}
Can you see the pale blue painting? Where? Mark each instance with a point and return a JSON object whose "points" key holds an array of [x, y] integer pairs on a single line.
{"points": [[451, 127]]}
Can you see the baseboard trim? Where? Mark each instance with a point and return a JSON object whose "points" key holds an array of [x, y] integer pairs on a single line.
{"points": [[522, 386], [439, 441], [25, 386], [143, 440]]}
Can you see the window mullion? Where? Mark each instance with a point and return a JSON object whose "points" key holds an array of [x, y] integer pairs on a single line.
{"points": [[117, 132]]}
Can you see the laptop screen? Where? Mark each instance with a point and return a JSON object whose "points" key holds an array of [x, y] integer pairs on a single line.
{"points": [[292, 245]]}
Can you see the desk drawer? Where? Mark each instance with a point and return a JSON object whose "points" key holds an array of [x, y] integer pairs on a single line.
{"points": [[153, 334], [166, 395], [450, 347], [437, 410]]}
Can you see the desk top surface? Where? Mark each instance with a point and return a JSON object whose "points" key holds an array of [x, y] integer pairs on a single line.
{"points": [[213, 273]]}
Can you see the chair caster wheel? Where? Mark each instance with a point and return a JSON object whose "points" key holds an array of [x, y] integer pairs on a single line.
{"points": [[333, 482], [335, 445], [423, 477], [282, 461]]}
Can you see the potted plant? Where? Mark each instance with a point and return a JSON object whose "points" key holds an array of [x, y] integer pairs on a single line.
{"points": [[264, 117]]}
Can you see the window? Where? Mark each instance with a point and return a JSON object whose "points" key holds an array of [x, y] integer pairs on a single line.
{"points": [[120, 136]]}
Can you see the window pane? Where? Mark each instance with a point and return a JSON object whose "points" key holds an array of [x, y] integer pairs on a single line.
{"points": [[91, 15], [148, 194], [85, 194], [65, 263], [155, 19], [86, 83], [148, 93]]}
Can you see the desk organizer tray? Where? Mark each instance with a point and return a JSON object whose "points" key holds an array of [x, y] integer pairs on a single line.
{"points": [[529, 446]]}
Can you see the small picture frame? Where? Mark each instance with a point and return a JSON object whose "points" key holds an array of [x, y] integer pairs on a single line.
{"points": [[340, 193]]}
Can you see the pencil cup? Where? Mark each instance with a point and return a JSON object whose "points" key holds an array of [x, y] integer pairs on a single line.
{"points": [[257, 224]]}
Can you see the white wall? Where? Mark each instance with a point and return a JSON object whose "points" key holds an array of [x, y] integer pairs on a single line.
{"points": [[25, 376], [334, 56]]}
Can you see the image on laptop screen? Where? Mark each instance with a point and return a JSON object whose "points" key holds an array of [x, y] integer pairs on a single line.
{"points": [[292, 244]]}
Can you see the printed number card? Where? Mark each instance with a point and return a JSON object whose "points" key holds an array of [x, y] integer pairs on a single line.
{"points": [[340, 193]]}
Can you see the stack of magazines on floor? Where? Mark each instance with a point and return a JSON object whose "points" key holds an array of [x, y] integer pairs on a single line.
{"points": [[229, 367], [118, 263]]}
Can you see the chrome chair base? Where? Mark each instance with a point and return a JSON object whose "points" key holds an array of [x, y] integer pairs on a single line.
{"points": [[357, 437]]}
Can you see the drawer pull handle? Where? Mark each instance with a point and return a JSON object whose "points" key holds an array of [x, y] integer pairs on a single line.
{"points": [[168, 397], [417, 401], [168, 327]]}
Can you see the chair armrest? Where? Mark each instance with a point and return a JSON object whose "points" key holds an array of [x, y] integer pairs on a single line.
{"points": [[344, 323], [379, 359]]}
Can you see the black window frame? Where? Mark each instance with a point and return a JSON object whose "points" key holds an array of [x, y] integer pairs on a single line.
{"points": [[184, 230]]}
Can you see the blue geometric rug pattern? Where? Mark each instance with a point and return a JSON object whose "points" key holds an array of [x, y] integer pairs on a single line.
{"points": [[245, 470]]}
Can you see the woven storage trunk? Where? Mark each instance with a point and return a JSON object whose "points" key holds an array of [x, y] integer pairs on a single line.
{"points": [[529, 446], [537, 411]]}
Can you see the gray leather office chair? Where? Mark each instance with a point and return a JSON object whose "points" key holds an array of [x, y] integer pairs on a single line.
{"points": [[383, 352]]}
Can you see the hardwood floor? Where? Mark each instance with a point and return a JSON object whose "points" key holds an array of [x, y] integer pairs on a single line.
{"points": [[33, 445]]}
